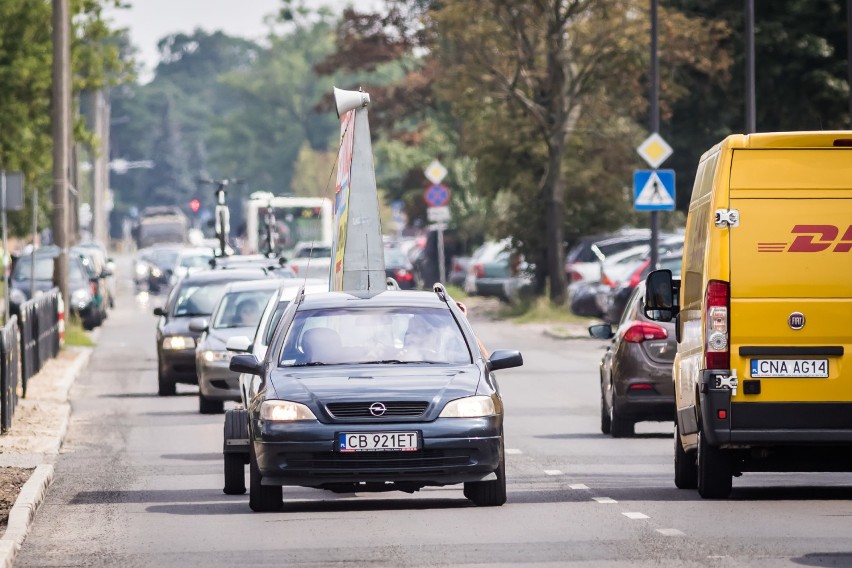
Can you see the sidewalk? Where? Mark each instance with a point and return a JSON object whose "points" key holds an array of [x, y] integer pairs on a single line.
{"points": [[29, 449], [489, 308]]}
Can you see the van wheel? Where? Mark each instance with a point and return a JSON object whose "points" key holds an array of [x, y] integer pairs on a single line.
{"points": [[606, 424], [262, 498], [715, 475], [685, 464], [621, 426]]}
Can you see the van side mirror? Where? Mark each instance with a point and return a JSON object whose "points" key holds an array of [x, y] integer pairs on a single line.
{"points": [[660, 296]]}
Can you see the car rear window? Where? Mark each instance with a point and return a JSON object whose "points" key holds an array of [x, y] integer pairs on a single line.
{"points": [[241, 309], [198, 299], [386, 335]]}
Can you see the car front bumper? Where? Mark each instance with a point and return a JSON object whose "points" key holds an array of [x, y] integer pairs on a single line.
{"points": [[179, 365], [452, 450], [217, 382]]}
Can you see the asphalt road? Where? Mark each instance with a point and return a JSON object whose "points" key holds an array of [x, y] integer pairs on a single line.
{"points": [[139, 483]]}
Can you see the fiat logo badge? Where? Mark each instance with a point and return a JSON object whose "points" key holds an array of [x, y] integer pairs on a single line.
{"points": [[378, 409], [796, 320]]}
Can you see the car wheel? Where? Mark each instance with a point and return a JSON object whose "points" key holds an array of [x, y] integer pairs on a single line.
{"points": [[685, 465], [236, 428], [621, 426], [489, 493], [210, 406], [262, 498], [606, 423], [715, 476], [165, 385]]}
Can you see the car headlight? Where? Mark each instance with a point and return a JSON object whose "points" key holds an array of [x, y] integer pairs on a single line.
{"points": [[178, 342], [216, 356], [141, 270], [80, 298], [471, 407], [285, 411], [16, 296], [155, 272]]}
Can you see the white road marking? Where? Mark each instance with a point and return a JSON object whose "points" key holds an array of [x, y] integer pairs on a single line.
{"points": [[670, 532], [513, 452], [578, 486], [553, 472], [604, 500], [636, 516]]}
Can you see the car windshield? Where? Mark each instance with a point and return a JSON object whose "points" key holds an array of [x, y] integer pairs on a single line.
{"points": [[198, 299], [43, 268], [195, 260], [241, 309], [388, 335], [314, 252]]}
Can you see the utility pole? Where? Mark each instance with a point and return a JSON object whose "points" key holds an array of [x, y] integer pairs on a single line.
{"points": [[751, 116], [655, 124], [61, 135], [99, 116]]}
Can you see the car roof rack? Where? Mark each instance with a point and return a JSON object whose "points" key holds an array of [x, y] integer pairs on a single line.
{"points": [[439, 289]]}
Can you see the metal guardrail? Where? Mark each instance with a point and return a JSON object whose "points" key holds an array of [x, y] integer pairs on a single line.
{"points": [[10, 355], [38, 320]]}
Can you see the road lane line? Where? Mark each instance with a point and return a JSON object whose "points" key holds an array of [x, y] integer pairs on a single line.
{"points": [[604, 500], [578, 486], [636, 516], [553, 472], [513, 452], [670, 532]]}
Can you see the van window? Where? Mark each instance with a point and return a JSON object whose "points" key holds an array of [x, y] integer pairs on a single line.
{"points": [[697, 227]]}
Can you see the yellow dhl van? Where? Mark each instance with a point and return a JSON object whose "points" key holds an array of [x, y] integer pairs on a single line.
{"points": [[763, 372]]}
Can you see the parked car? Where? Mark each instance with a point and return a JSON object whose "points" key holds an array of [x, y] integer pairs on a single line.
{"points": [[583, 260], [98, 273], [109, 269], [195, 296], [398, 268], [33, 274], [458, 272], [237, 313], [636, 370], [498, 271]]}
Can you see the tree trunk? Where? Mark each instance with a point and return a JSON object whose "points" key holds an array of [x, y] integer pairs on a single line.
{"points": [[555, 219]]}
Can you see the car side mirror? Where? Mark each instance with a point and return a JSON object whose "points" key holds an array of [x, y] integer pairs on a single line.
{"points": [[659, 296], [198, 325], [505, 359], [106, 274], [602, 331], [248, 364], [159, 311], [238, 344]]}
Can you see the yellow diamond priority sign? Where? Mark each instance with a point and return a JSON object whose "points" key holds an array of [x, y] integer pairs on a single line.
{"points": [[654, 150]]}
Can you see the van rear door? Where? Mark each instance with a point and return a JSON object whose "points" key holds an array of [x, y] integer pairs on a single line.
{"points": [[791, 280]]}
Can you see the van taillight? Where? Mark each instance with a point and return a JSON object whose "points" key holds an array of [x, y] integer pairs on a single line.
{"points": [[716, 329], [639, 331]]}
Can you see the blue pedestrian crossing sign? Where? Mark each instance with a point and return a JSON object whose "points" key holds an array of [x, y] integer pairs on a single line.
{"points": [[654, 190]]}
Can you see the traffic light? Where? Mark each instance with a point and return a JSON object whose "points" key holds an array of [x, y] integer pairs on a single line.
{"points": [[195, 205]]}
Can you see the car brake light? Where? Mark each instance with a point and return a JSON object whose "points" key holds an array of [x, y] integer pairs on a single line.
{"points": [[403, 274], [639, 331], [716, 333], [574, 276], [641, 387], [607, 281], [636, 277], [479, 270], [295, 268], [457, 267]]}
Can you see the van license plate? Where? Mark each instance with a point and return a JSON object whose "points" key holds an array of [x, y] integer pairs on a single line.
{"points": [[790, 368], [377, 442]]}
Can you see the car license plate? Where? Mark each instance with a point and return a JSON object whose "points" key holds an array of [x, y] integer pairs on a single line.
{"points": [[790, 368], [377, 442]]}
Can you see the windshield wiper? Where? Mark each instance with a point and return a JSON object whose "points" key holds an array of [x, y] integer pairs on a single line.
{"points": [[398, 362], [315, 364]]}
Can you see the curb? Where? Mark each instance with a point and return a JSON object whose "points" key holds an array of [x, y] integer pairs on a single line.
{"points": [[32, 495], [563, 334]]}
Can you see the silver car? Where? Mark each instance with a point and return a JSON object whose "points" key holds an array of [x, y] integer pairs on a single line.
{"points": [[237, 314]]}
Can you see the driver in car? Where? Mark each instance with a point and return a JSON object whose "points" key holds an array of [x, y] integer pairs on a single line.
{"points": [[248, 312]]}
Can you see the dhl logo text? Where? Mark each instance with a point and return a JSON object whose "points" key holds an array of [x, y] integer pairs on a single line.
{"points": [[812, 238]]}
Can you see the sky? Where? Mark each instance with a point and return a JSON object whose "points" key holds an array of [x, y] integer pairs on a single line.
{"points": [[150, 20]]}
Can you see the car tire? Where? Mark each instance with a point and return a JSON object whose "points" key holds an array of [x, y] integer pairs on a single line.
{"points": [[489, 493], [620, 426], [210, 406], [715, 475], [165, 385], [685, 464], [236, 428], [606, 423], [262, 498]]}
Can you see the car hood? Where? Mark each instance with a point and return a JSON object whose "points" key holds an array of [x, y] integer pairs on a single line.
{"points": [[217, 338], [371, 383], [179, 326]]}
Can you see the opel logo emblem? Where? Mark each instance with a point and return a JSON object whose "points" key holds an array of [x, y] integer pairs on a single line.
{"points": [[378, 409], [796, 320]]}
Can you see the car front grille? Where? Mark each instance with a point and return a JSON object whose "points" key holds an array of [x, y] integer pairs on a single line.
{"points": [[408, 409], [326, 463]]}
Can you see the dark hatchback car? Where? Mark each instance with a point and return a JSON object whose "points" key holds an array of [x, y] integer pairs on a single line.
{"points": [[398, 268], [194, 297], [389, 392], [636, 370]]}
